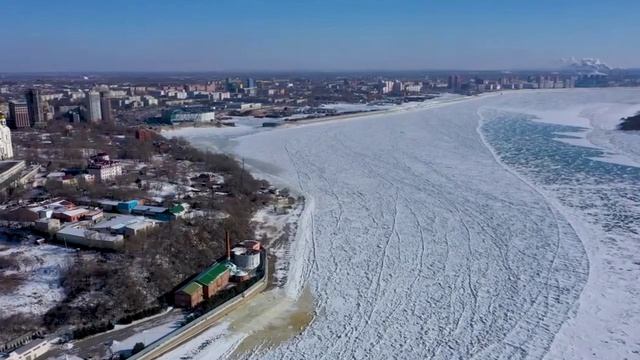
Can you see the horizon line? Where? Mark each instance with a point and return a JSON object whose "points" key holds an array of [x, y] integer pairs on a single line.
{"points": [[34, 72]]}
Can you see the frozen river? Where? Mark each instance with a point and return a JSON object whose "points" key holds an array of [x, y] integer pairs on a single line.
{"points": [[465, 230]]}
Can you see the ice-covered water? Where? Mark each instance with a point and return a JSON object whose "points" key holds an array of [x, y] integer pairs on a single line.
{"points": [[602, 197], [580, 176], [428, 237]]}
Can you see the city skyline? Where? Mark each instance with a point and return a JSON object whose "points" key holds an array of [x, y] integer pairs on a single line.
{"points": [[314, 36]]}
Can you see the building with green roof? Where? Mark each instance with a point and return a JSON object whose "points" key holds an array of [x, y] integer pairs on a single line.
{"points": [[189, 295], [172, 213], [213, 279]]}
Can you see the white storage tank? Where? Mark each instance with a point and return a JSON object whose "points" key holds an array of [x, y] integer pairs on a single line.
{"points": [[246, 259]]}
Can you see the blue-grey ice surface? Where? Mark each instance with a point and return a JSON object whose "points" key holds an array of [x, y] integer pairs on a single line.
{"points": [[468, 230]]}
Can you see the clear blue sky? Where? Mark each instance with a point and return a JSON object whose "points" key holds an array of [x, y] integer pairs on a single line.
{"points": [[193, 35]]}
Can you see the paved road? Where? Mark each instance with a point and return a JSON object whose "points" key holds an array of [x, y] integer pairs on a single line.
{"points": [[98, 346]]}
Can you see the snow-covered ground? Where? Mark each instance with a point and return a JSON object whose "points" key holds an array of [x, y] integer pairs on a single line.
{"points": [[278, 225], [39, 269], [426, 236], [146, 335], [347, 107], [215, 343], [161, 189]]}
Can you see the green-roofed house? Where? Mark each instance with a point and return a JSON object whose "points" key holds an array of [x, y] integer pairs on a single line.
{"points": [[172, 213], [189, 295], [213, 279]]}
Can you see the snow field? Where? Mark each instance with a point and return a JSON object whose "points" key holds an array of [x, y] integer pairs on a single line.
{"points": [[417, 233], [41, 267], [420, 240]]}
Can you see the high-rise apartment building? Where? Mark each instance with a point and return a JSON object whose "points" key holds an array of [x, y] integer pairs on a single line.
{"points": [[105, 107], [94, 114], [18, 115], [455, 83], [34, 103]]}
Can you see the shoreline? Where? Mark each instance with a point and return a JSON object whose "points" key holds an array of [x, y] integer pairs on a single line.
{"points": [[226, 144], [418, 106], [302, 248], [291, 307], [307, 247]]}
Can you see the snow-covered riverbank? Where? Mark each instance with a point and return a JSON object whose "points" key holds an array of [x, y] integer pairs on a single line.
{"points": [[417, 232]]}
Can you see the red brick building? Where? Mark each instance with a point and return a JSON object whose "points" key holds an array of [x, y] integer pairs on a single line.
{"points": [[189, 295], [213, 279]]}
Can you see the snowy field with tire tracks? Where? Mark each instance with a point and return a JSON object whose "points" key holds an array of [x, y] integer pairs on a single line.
{"points": [[444, 233]]}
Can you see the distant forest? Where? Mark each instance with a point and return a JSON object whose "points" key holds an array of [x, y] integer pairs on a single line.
{"points": [[630, 123]]}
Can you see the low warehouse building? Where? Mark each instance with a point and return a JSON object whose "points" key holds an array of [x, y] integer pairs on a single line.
{"points": [[30, 351], [44, 210], [9, 170], [124, 224], [213, 279], [73, 215], [189, 295], [137, 227], [197, 115], [93, 215], [108, 205], [79, 235], [145, 210], [125, 207], [160, 213]]}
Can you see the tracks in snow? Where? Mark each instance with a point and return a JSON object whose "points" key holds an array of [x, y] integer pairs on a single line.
{"points": [[423, 247]]}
